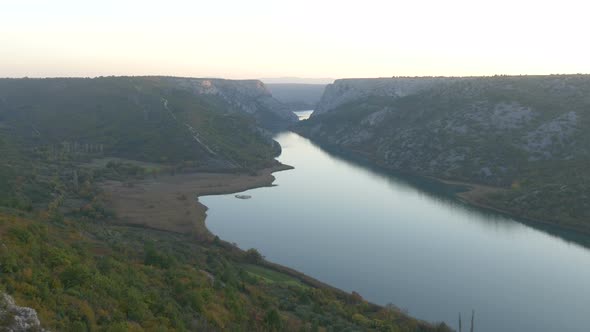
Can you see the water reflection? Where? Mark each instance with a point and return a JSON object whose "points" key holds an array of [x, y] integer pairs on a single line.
{"points": [[444, 194]]}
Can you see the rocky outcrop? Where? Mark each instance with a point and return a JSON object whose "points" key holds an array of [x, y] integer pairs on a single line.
{"points": [[249, 96], [483, 129], [17, 319]]}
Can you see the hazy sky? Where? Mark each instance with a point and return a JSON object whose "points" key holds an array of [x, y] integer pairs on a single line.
{"points": [[305, 38]]}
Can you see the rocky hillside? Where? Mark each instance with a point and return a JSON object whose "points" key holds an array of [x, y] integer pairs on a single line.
{"points": [[529, 135], [249, 96], [17, 319], [348, 90]]}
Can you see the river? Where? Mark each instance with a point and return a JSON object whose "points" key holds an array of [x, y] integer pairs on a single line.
{"points": [[394, 242]]}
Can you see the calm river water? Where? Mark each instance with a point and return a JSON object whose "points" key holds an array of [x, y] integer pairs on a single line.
{"points": [[393, 242]]}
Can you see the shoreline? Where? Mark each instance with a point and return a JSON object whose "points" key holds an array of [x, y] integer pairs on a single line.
{"points": [[473, 195], [266, 179], [167, 190], [304, 278], [171, 202]]}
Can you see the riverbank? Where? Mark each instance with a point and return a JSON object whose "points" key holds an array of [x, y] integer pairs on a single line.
{"points": [[478, 195], [170, 202]]}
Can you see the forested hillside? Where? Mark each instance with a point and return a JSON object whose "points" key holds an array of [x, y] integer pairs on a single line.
{"points": [[151, 119]]}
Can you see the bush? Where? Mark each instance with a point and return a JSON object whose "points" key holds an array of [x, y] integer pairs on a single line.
{"points": [[253, 256], [75, 275], [155, 258], [272, 320]]}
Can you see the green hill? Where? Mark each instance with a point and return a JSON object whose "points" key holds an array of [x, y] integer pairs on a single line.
{"points": [[151, 119]]}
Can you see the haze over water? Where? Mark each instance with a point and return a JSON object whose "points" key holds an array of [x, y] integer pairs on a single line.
{"points": [[360, 230]]}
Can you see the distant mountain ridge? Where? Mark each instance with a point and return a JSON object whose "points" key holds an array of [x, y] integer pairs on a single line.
{"points": [[298, 97], [527, 134]]}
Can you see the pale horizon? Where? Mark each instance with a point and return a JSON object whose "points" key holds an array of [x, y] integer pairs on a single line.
{"points": [[304, 39]]}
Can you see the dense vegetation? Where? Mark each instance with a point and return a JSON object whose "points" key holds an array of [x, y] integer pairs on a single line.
{"points": [[84, 276], [61, 254], [527, 135], [150, 119]]}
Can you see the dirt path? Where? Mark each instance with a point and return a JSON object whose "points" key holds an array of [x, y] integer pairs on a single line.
{"points": [[170, 202]]}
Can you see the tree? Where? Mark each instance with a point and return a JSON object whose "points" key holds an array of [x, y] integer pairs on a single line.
{"points": [[253, 256]]}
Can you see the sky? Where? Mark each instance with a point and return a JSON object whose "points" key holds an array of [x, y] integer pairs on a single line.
{"points": [[283, 38]]}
